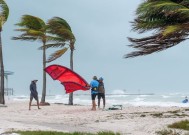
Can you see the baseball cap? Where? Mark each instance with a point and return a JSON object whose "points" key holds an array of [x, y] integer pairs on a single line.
{"points": [[101, 78]]}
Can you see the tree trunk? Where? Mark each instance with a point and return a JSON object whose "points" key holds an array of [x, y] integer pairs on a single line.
{"points": [[2, 99], [71, 67], [44, 75]]}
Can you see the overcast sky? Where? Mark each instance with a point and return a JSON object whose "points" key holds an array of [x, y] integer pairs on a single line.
{"points": [[101, 28]]}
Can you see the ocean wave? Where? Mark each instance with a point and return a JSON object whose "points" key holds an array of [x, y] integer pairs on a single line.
{"points": [[134, 100], [118, 91], [165, 96]]}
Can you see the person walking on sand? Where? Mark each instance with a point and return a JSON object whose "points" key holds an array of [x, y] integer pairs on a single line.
{"points": [[34, 93], [101, 92], [94, 91]]}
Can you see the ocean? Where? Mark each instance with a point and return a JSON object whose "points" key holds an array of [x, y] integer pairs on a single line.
{"points": [[116, 97]]}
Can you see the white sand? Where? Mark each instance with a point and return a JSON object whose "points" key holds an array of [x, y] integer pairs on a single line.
{"points": [[58, 117]]}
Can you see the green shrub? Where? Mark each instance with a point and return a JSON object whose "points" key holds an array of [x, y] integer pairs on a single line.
{"points": [[184, 124], [108, 133], [167, 132], [157, 114], [176, 111], [142, 115], [62, 133], [186, 109]]}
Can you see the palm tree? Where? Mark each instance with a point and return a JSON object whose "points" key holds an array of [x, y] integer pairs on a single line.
{"points": [[167, 19], [35, 29], [4, 13], [59, 27]]}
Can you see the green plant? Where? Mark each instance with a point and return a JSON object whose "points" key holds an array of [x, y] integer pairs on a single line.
{"points": [[184, 124], [62, 133], [142, 115], [167, 132], [107, 133], [176, 111], [186, 109], [157, 114]]}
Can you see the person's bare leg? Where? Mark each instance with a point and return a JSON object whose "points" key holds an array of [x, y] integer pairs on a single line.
{"points": [[94, 105], [104, 102], [98, 102], [30, 104], [38, 104]]}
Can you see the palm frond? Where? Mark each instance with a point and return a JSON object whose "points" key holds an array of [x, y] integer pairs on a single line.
{"points": [[57, 23], [55, 45], [159, 12], [153, 44], [61, 28], [168, 18], [4, 12], [172, 29], [65, 34], [28, 35], [21, 29], [32, 22], [24, 38], [32, 28], [55, 39], [142, 26], [57, 54], [35, 33]]}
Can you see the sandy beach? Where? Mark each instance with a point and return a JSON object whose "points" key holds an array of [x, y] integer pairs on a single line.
{"points": [[59, 117]]}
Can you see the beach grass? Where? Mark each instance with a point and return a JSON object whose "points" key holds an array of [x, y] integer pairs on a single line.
{"points": [[62, 133], [186, 109], [176, 111], [167, 132], [184, 124], [157, 115]]}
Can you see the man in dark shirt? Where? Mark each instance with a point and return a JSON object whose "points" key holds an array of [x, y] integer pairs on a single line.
{"points": [[34, 93], [101, 92]]}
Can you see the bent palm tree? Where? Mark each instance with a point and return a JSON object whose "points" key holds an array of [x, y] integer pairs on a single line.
{"points": [[4, 12], [61, 29], [32, 29], [168, 19]]}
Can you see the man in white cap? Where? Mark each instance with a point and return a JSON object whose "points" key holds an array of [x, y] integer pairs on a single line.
{"points": [[34, 93]]}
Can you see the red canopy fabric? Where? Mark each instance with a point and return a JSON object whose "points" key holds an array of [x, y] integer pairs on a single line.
{"points": [[71, 80]]}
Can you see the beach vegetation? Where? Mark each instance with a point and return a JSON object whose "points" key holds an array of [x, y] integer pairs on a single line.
{"points": [[176, 111], [62, 29], [142, 115], [33, 28], [4, 13], [181, 115], [107, 133], [166, 23], [157, 114], [184, 124], [63, 133], [186, 109], [167, 132]]}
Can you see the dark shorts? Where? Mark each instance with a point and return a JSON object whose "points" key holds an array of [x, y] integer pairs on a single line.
{"points": [[93, 96], [101, 95], [33, 96]]}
